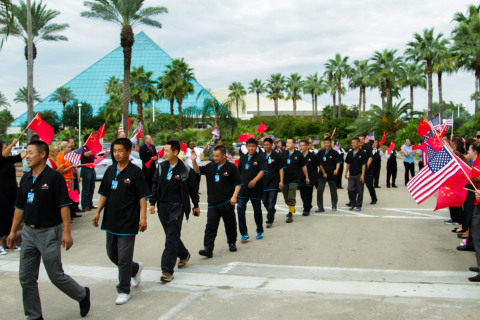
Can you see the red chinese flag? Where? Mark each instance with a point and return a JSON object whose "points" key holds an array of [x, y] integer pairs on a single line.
{"points": [[101, 132], [423, 128], [383, 140], [416, 147], [476, 168], [448, 197], [333, 133], [93, 144], [73, 194], [245, 137], [390, 149], [139, 134], [159, 154], [262, 128], [97, 161], [435, 143], [184, 147], [129, 123], [43, 129]]}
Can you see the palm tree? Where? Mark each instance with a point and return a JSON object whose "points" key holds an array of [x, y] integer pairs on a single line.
{"points": [[338, 69], [164, 86], [276, 85], [181, 76], [63, 95], [113, 108], [445, 61], [412, 76], [360, 79], [257, 86], [22, 95], [236, 98], [3, 101], [331, 88], [142, 89], [426, 48], [127, 14], [386, 67], [113, 85], [6, 18], [294, 84], [210, 104], [313, 86]]}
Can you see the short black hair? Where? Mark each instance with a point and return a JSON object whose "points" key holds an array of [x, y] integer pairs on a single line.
{"points": [[220, 148], [304, 141], [175, 145], [356, 139], [327, 139], [190, 141], [252, 140], [126, 143], [85, 137], [40, 146], [268, 140], [293, 140], [218, 140], [35, 137], [361, 135]]}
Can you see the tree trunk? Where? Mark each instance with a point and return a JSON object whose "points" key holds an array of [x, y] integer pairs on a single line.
{"points": [[127, 40], [334, 111], [140, 110], [411, 100], [294, 103], [389, 91], [29, 69], [172, 101], [430, 90], [258, 103], [63, 116], [360, 103], [276, 103], [440, 98], [339, 97], [313, 106], [476, 93], [179, 101], [382, 95], [364, 99], [316, 109], [236, 103]]}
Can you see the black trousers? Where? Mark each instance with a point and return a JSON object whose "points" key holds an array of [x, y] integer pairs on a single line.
{"points": [[474, 233], [420, 165], [409, 167], [120, 252], [171, 217], [340, 176], [198, 177], [468, 209], [227, 213], [376, 172], [306, 193], [456, 214], [391, 172], [149, 177]]}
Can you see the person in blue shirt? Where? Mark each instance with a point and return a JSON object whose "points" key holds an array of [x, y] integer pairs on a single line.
{"points": [[408, 161], [420, 158]]}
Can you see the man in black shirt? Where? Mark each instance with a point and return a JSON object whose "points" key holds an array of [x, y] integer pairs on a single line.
{"points": [[43, 204], [294, 164], [252, 167], [173, 184], [376, 164], [356, 166], [329, 170], [368, 173], [272, 181], [147, 152], [218, 142], [123, 192], [306, 190], [392, 168], [223, 186]]}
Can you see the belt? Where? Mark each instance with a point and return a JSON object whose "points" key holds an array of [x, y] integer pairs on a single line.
{"points": [[38, 226]]}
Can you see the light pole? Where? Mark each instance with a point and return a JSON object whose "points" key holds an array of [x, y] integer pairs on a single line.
{"points": [[79, 124]]}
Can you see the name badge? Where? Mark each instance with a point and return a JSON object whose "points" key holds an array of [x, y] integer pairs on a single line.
{"points": [[246, 166], [114, 184], [324, 158], [169, 176], [217, 178], [288, 161], [269, 160], [30, 197]]}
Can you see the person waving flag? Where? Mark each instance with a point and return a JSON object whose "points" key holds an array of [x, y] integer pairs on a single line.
{"points": [[370, 137]]}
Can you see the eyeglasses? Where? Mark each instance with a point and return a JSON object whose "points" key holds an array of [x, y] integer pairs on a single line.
{"points": [[478, 136]]}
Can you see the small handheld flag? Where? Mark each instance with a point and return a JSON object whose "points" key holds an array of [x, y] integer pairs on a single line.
{"points": [[245, 137], [333, 133], [42, 129], [383, 140], [370, 137], [101, 132], [316, 141], [262, 128]]}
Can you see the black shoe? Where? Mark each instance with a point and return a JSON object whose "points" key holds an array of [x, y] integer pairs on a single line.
{"points": [[465, 248], [394, 186], [348, 204], [449, 222], [351, 208], [289, 218], [339, 187], [206, 253], [76, 215], [85, 303], [377, 187], [232, 247], [305, 213], [460, 236], [269, 224], [474, 269], [373, 202], [475, 279], [388, 186]]}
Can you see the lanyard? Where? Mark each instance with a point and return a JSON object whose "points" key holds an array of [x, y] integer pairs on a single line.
{"points": [[249, 158]]}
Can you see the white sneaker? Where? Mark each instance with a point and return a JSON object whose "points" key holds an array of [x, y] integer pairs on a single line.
{"points": [[122, 298], [2, 251], [138, 277], [16, 249]]}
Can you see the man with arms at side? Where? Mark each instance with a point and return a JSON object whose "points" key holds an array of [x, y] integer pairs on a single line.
{"points": [[356, 166], [147, 152], [330, 161], [123, 193], [368, 173], [174, 184], [42, 203], [223, 186], [272, 181], [306, 190], [294, 164]]}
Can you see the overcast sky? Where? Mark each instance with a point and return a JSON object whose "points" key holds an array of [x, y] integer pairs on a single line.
{"points": [[226, 41]]}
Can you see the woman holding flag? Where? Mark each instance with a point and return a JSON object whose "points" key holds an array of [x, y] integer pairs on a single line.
{"points": [[67, 170]]}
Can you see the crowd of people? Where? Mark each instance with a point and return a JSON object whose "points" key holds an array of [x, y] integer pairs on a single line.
{"points": [[171, 189]]}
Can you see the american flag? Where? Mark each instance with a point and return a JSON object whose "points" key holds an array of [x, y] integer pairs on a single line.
{"points": [[75, 155], [435, 122], [337, 147], [297, 145], [370, 137], [429, 154], [229, 155], [441, 167], [120, 129], [271, 136], [316, 141], [449, 121]]}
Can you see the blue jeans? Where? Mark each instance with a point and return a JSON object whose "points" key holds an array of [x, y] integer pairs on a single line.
{"points": [[88, 187], [257, 214], [269, 201]]}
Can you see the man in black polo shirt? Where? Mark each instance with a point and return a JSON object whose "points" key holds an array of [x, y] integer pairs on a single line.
{"points": [[174, 183], [272, 181], [223, 186], [356, 166], [294, 164], [330, 161], [43, 204], [306, 190], [252, 167], [147, 152], [123, 192], [368, 173]]}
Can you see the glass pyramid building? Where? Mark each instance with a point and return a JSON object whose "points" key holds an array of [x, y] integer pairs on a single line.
{"points": [[89, 86]]}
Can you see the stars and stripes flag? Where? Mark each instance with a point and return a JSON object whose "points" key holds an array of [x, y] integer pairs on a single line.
{"points": [[316, 141], [370, 137], [271, 136], [438, 170], [435, 122], [337, 147], [449, 121], [216, 134], [297, 145], [430, 153], [120, 129], [75, 155], [229, 155]]}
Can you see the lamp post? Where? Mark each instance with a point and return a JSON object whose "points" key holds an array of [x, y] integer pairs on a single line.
{"points": [[79, 124]]}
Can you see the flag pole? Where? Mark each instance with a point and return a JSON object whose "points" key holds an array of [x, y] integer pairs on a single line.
{"points": [[26, 128]]}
